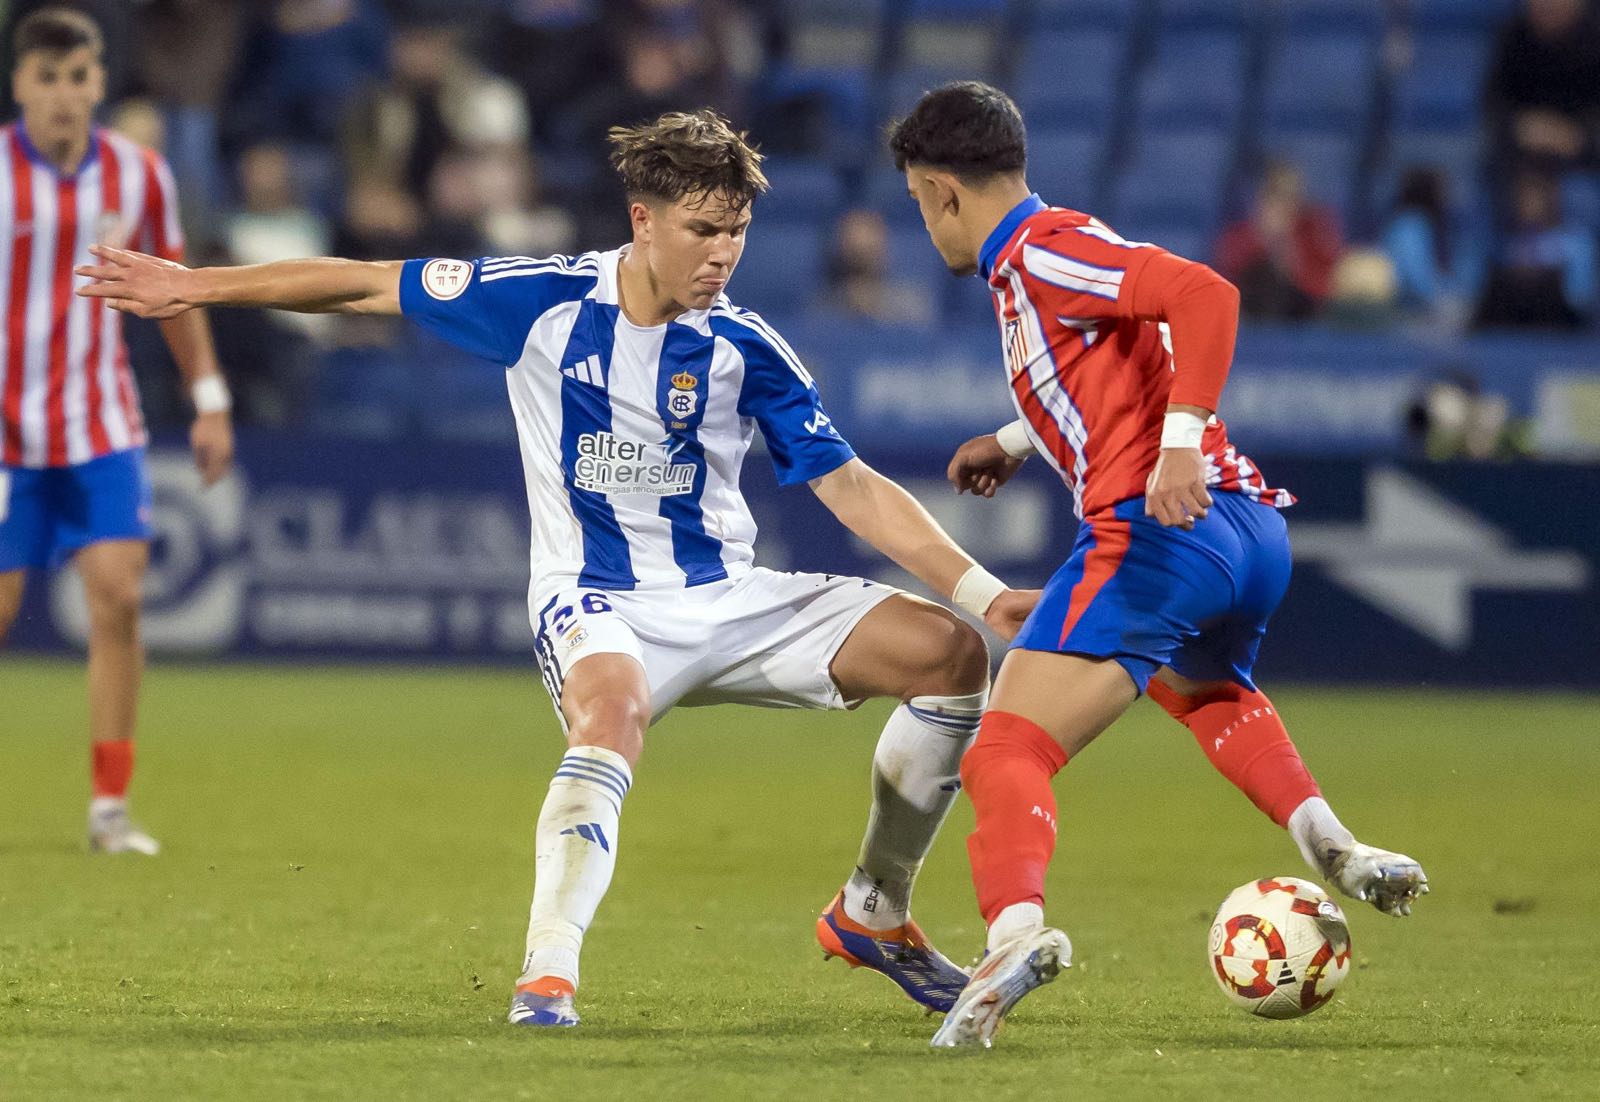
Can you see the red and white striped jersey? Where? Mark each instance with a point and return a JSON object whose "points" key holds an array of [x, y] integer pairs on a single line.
{"points": [[1090, 363], [66, 393]]}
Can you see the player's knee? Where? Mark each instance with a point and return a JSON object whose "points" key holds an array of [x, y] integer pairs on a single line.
{"points": [[615, 721], [955, 664], [114, 604]]}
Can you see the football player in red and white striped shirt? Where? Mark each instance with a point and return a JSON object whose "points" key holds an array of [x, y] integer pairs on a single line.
{"points": [[72, 478], [1116, 353]]}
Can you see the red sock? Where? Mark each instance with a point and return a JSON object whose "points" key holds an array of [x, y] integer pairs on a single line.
{"points": [[113, 767], [1007, 775], [1243, 735]]}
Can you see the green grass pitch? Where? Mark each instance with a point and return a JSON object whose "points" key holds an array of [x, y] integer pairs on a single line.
{"points": [[339, 911]]}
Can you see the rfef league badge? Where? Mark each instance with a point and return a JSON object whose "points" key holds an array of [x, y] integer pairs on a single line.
{"points": [[446, 279], [681, 401]]}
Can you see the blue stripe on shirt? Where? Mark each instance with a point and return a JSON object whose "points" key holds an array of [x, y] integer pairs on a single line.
{"points": [[586, 410], [684, 352]]}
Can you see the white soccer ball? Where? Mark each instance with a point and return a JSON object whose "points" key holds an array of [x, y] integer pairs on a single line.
{"points": [[1279, 947]]}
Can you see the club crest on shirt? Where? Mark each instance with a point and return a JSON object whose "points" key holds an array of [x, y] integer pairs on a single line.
{"points": [[682, 400], [1016, 348], [111, 230]]}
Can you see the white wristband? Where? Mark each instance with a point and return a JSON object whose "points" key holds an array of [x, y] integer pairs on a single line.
{"points": [[210, 395], [1013, 440], [1182, 430], [976, 591]]}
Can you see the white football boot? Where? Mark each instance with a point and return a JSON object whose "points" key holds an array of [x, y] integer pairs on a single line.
{"points": [[1391, 882], [110, 830], [1022, 964]]}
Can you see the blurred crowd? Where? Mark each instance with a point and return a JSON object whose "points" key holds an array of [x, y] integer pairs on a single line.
{"points": [[1514, 246], [476, 127]]}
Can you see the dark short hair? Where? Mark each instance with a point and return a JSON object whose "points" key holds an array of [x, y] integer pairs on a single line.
{"points": [[55, 30], [693, 153], [967, 127]]}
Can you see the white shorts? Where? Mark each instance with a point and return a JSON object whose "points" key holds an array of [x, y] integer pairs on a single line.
{"points": [[764, 638]]}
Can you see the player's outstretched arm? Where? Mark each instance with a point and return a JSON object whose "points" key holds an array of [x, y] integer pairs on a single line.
{"points": [[149, 287], [881, 512]]}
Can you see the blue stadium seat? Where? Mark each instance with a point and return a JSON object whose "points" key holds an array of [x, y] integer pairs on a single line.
{"points": [[1071, 75], [846, 91], [1327, 157], [1174, 177], [1195, 77], [955, 9], [1459, 154], [907, 85], [1064, 165], [886, 193], [1442, 87], [781, 270], [913, 258], [1457, 15], [852, 13], [1343, 16], [1208, 15], [801, 189], [1058, 15], [1322, 80]]}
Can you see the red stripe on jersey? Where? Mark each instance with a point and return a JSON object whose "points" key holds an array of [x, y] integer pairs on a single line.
{"points": [[1043, 422], [155, 215], [1111, 539], [60, 302], [17, 308], [110, 200]]}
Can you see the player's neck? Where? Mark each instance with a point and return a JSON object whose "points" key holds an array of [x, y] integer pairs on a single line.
{"points": [[989, 207], [65, 152], [640, 298]]}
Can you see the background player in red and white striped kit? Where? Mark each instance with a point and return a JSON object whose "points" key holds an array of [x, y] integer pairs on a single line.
{"points": [[1116, 353], [72, 477]]}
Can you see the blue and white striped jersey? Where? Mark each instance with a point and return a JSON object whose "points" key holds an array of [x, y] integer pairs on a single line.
{"points": [[632, 438]]}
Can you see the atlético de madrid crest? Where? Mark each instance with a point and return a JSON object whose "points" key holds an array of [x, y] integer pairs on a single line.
{"points": [[1016, 348], [682, 400]]}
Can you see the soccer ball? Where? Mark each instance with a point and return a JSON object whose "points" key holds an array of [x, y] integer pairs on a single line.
{"points": [[1279, 947]]}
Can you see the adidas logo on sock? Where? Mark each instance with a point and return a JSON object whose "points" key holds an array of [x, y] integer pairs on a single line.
{"points": [[590, 832]]}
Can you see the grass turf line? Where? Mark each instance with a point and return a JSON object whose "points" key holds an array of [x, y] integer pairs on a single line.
{"points": [[339, 911]]}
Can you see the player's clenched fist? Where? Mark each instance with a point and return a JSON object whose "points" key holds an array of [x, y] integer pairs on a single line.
{"points": [[1176, 494], [1007, 612], [982, 466]]}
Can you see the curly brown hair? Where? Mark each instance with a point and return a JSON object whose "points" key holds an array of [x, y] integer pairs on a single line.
{"points": [[687, 153]]}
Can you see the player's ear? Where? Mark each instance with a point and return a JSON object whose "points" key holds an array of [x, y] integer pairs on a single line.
{"points": [[947, 193], [639, 216]]}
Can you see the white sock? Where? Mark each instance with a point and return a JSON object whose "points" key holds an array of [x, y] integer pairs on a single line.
{"points": [[1318, 832], [576, 851], [916, 774], [1014, 921]]}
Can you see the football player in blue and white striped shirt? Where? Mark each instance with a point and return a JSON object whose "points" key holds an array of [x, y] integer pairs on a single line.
{"points": [[637, 388]]}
